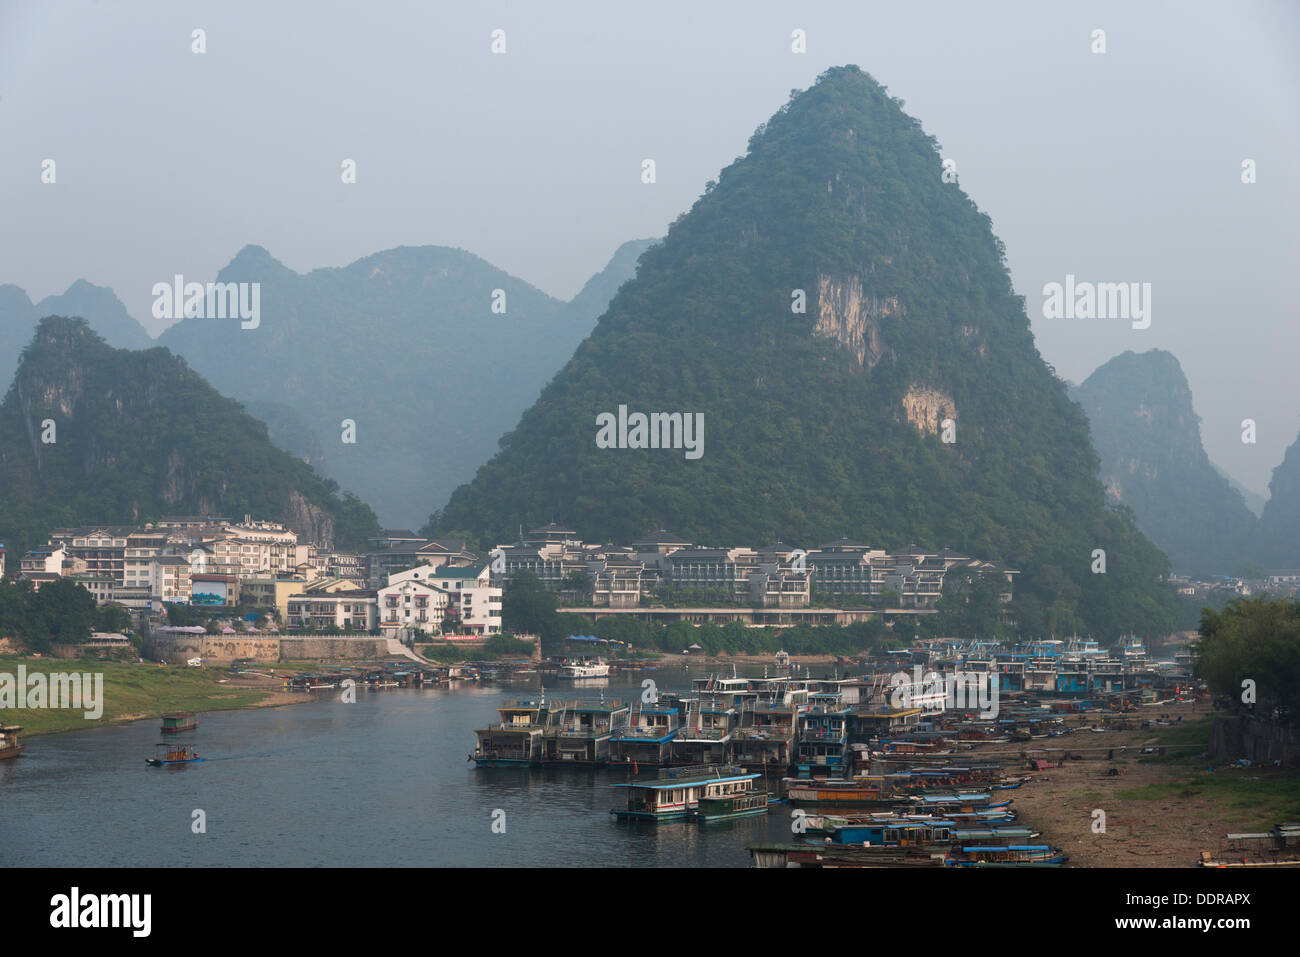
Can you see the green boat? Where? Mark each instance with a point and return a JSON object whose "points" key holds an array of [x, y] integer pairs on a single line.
{"points": [[748, 804], [179, 721]]}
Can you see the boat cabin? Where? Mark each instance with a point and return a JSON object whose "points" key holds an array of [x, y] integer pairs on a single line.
{"points": [[676, 793], [581, 733], [515, 740]]}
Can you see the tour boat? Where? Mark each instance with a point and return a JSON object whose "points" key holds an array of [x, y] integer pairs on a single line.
{"points": [[584, 668], [515, 740], [581, 733], [9, 746], [677, 793], [174, 754]]}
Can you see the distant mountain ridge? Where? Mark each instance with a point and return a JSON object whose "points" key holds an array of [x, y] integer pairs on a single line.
{"points": [[1148, 438], [138, 435], [1278, 543], [98, 305], [405, 345]]}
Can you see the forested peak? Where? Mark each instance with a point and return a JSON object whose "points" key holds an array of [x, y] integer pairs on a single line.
{"points": [[255, 262], [63, 335], [839, 313], [1154, 369], [1148, 388], [90, 432]]}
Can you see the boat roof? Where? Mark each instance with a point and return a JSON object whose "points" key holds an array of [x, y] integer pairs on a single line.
{"points": [[1007, 847], [669, 783]]}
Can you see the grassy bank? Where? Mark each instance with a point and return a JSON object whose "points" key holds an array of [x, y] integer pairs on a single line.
{"points": [[131, 691], [1259, 795]]}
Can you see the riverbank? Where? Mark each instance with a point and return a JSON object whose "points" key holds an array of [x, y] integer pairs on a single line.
{"points": [[742, 659], [1159, 811], [133, 691]]}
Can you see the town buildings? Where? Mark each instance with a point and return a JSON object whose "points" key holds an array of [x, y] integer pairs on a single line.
{"points": [[405, 583], [843, 572]]}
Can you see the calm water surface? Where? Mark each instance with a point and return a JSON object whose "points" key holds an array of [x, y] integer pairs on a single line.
{"points": [[382, 782]]}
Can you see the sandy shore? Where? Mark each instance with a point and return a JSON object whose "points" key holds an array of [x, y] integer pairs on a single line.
{"points": [[1169, 830]]}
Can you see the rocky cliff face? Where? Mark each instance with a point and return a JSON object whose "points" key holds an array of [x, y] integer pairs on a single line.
{"points": [[311, 522], [926, 408], [851, 318]]}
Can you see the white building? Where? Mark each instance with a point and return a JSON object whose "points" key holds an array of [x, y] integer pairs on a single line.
{"points": [[353, 610], [473, 601], [412, 603]]}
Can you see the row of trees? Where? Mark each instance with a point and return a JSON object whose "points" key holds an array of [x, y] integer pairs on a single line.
{"points": [[61, 611], [1250, 653]]}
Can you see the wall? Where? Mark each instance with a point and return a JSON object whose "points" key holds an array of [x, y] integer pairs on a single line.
{"points": [[1241, 736], [215, 649], [314, 647]]}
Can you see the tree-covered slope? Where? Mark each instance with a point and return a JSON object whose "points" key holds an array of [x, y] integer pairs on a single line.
{"points": [[1278, 543], [405, 344], [98, 305], [829, 422], [138, 435], [1148, 438]]}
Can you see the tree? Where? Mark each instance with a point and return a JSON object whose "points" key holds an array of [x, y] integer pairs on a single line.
{"points": [[970, 605], [112, 617], [182, 616], [528, 607], [1256, 640], [63, 611]]}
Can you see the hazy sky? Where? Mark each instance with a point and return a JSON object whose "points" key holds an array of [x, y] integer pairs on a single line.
{"points": [[1121, 167]]}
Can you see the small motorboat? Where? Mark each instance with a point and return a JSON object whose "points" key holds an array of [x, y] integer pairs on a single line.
{"points": [[173, 754]]}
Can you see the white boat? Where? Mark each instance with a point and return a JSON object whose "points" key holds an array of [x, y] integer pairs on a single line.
{"points": [[584, 668]]}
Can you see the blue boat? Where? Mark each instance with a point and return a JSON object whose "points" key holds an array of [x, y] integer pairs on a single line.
{"points": [[175, 754], [1005, 855]]}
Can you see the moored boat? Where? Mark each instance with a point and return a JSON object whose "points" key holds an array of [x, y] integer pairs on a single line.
{"points": [[838, 791], [580, 733], [746, 804], [9, 746], [676, 793], [585, 667], [179, 721], [1005, 855], [515, 740], [1279, 847], [841, 855], [646, 740]]}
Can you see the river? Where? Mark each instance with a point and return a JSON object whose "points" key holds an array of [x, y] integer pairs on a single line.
{"points": [[381, 782]]}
